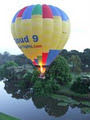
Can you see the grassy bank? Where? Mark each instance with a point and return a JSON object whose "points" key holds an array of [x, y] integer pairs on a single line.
{"points": [[66, 89], [7, 117]]}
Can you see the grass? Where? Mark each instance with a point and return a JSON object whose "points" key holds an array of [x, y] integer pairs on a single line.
{"points": [[64, 100], [65, 90], [7, 117]]}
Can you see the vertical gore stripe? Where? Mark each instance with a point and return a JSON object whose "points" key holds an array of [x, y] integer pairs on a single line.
{"points": [[14, 18], [34, 63], [63, 15], [47, 12], [52, 55], [37, 10], [44, 58], [21, 12], [28, 12], [36, 60], [54, 11]]}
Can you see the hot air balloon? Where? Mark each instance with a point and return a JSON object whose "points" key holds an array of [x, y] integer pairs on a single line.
{"points": [[41, 32]]}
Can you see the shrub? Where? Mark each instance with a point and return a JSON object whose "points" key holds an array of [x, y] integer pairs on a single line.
{"points": [[38, 88], [35, 75], [45, 87], [51, 86], [81, 85]]}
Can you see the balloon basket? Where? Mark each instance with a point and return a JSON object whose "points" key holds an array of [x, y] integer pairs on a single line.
{"points": [[42, 76]]}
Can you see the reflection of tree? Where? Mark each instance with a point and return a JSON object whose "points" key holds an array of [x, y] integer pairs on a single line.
{"points": [[12, 88], [50, 106]]}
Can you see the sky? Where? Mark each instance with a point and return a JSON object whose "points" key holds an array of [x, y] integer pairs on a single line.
{"points": [[77, 10]]}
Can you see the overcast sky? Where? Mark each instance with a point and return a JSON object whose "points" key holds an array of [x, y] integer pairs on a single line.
{"points": [[77, 10]]}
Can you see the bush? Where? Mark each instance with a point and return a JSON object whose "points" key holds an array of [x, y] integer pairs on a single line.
{"points": [[59, 70], [81, 85], [45, 87], [35, 75], [38, 88], [51, 86]]}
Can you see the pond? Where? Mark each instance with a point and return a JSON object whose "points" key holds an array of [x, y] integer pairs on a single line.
{"points": [[27, 107]]}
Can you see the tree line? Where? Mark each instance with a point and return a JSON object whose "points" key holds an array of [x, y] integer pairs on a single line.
{"points": [[78, 61]]}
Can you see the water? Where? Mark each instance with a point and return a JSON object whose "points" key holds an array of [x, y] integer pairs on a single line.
{"points": [[25, 107]]}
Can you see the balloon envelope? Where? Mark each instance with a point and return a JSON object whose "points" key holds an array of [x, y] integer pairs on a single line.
{"points": [[40, 31]]}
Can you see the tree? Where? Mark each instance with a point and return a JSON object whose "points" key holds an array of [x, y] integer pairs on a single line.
{"points": [[59, 71], [75, 63], [81, 85], [9, 64], [65, 54], [74, 52], [3, 68], [21, 60]]}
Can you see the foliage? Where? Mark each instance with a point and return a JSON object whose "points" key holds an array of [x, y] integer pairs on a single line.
{"points": [[26, 83], [65, 99], [86, 103], [75, 63], [81, 85], [58, 73], [9, 64], [35, 75], [3, 67], [40, 87], [2, 70], [29, 79], [84, 56], [65, 54], [21, 60], [59, 70], [45, 87], [62, 104]]}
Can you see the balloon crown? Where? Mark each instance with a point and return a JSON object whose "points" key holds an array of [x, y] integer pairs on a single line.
{"points": [[47, 11]]}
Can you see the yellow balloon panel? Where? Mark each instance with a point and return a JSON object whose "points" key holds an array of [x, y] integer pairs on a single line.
{"points": [[65, 34], [47, 34], [57, 32], [33, 29]]}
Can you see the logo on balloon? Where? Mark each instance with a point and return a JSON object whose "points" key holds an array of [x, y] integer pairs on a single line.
{"points": [[26, 39], [22, 40]]}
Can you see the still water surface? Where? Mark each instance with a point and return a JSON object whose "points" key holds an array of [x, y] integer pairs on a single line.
{"points": [[36, 108]]}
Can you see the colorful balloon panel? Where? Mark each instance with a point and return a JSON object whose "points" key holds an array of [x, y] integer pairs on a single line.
{"points": [[40, 31]]}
